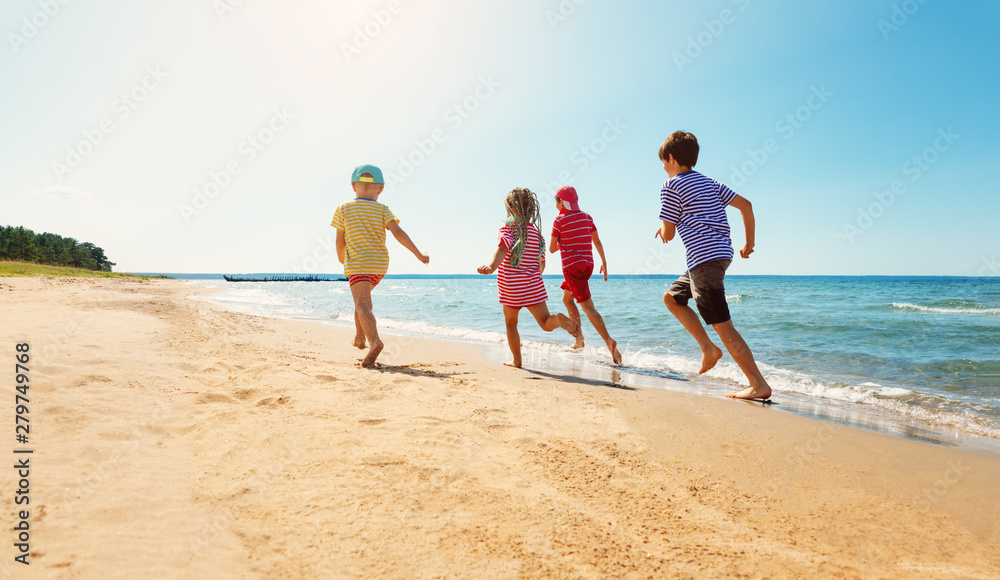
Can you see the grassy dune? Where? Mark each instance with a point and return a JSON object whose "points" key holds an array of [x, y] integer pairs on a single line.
{"points": [[11, 269]]}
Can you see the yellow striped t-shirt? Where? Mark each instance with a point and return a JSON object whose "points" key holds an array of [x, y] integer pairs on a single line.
{"points": [[364, 222]]}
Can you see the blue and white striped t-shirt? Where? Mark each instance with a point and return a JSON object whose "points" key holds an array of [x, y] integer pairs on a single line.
{"points": [[697, 206]]}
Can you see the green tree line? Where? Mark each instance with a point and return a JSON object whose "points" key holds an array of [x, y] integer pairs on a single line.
{"points": [[24, 245]]}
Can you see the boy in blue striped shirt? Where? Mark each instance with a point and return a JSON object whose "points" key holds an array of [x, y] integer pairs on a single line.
{"points": [[694, 206]]}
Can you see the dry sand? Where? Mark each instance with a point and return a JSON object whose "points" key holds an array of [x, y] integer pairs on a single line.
{"points": [[176, 440]]}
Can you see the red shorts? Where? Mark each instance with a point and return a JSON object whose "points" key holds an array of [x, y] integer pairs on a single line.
{"points": [[578, 281], [372, 279]]}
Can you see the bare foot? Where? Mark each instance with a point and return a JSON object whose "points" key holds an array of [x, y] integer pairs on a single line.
{"points": [[359, 342], [751, 393], [709, 358], [578, 344], [616, 357], [515, 364], [570, 326], [373, 353]]}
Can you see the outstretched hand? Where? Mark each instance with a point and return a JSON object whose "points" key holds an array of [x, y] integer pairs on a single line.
{"points": [[424, 258], [746, 250], [486, 270]]}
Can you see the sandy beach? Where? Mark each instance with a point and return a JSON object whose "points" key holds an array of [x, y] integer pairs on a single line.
{"points": [[174, 439]]}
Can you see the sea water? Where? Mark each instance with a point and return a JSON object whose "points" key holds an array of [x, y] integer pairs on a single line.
{"points": [[913, 356]]}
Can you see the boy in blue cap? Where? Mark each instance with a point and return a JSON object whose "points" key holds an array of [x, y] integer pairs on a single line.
{"points": [[695, 207], [361, 224]]}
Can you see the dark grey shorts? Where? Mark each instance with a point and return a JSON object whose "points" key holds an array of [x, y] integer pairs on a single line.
{"points": [[704, 283]]}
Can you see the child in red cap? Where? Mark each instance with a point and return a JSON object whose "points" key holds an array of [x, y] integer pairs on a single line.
{"points": [[520, 258], [573, 233]]}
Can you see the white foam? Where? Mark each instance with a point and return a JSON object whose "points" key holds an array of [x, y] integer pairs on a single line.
{"points": [[935, 310], [424, 329], [870, 395], [253, 296]]}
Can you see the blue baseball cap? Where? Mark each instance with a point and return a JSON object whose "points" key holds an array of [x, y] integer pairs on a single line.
{"points": [[376, 174]]}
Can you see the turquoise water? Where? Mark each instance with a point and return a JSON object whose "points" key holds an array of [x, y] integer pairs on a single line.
{"points": [[906, 353]]}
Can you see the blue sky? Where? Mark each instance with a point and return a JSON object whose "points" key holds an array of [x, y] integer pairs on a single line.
{"points": [[116, 113]]}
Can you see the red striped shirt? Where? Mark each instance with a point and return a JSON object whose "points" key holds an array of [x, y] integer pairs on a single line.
{"points": [[574, 231], [521, 287]]}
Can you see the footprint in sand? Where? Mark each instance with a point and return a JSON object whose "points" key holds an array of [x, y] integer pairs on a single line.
{"points": [[244, 394], [452, 453], [258, 370], [272, 402], [93, 379], [493, 421], [213, 398]]}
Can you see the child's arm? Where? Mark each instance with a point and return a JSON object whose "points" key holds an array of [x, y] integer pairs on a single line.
{"points": [[341, 247], [746, 208], [405, 241], [554, 244], [498, 257], [600, 252], [667, 231]]}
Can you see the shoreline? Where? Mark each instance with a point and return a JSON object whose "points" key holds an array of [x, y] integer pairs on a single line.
{"points": [[217, 444], [550, 357]]}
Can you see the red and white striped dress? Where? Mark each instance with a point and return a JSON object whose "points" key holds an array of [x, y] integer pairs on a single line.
{"points": [[521, 287]]}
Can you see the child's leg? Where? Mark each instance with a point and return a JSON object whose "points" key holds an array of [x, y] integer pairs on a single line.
{"points": [[740, 351], [362, 292], [550, 322], [513, 337], [574, 315], [710, 354], [359, 332], [597, 320]]}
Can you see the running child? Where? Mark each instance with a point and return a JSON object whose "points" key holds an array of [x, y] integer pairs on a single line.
{"points": [[695, 207], [520, 256], [573, 234], [361, 224]]}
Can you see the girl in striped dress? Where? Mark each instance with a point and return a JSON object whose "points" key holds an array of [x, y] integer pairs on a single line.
{"points": [[520, 257]]}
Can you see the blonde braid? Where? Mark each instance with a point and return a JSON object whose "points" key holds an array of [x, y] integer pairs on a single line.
{"points": [[523, 209]]}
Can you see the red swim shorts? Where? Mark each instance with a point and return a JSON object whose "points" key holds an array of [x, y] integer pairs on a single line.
{"points": [[372, 279], [578, 281]]}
